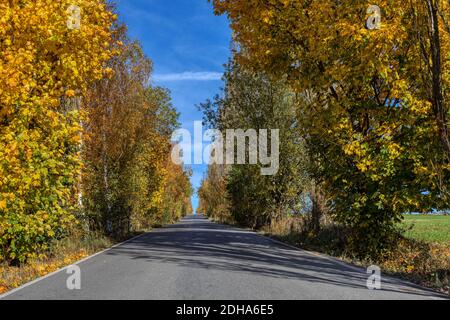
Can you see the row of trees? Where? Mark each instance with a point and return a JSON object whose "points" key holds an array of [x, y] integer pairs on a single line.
{"points": [[371, 106], [84, 136], [252, 101]]}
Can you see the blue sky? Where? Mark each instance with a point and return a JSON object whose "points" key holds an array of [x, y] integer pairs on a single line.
{"points": [[188, 45]]}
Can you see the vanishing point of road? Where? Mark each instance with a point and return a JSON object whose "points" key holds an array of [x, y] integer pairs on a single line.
{"points": [[198, 259]]}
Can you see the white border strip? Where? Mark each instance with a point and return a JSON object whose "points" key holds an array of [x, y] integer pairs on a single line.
{"points": [[64, 268]]}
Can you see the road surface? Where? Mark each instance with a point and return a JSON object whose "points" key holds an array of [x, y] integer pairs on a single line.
{"points": [[198, 259]]}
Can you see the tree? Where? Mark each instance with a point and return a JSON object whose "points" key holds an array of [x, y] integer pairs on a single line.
{"points": [[213, 195], [252, 101], [374, 123], [43, 64], [177, 193], [128, 183]]}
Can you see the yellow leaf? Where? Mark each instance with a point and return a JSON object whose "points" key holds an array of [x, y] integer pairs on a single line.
{"points": [[70, 93]]}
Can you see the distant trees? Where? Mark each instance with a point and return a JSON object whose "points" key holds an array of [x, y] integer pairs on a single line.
{"points": [[372, 105], [177, 192], [213, 197]]}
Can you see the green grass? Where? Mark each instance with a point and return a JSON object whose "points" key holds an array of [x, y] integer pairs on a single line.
{"points": [[430, 228]]}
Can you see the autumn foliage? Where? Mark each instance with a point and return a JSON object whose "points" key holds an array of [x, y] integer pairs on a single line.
{"points": [[127, 182], [373, 106], [83, 137]]}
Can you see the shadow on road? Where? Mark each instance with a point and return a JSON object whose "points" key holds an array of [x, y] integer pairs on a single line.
{"points": [[199, 243]]}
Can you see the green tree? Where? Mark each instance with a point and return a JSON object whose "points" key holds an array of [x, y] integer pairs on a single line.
{"points": [[252, 101]]}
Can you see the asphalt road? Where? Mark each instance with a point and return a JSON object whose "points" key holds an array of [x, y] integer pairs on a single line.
{"points": [[198, 259]]}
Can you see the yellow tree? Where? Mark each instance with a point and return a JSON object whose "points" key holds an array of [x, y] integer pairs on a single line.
{"points": [[374, 99], [49, 51]]}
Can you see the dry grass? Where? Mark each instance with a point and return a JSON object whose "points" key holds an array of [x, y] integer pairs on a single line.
{"points": [[421, 262], [64, 252]]}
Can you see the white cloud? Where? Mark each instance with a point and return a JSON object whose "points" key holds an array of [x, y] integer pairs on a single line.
{"points": [[188, 76]]}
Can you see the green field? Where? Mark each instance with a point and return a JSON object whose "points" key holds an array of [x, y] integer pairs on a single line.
{"points": [[428, 227]]}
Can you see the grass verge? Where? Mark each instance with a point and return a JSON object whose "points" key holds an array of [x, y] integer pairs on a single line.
{"points": [[429, 228], [423, 262]]}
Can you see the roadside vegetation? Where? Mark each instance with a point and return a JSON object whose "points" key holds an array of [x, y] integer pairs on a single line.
{"points": [[363, 115], [63, 252], [84, 138], [424, 262]]}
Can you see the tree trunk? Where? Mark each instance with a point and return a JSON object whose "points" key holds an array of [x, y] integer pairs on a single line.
{"points": [[108, 225], [317, 210], [437, 98]]}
